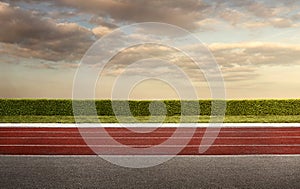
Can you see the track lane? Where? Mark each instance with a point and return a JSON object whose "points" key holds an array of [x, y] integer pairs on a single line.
{"points": [[68, 141]]}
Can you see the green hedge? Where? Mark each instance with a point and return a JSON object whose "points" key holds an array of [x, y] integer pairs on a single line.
{"points": [[47, 107], [263, 107]]}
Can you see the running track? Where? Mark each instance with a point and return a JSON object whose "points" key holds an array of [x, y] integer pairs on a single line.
{"points": [[231, 140]]}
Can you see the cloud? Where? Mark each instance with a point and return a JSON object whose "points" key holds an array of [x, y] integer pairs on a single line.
{"points": [[256, 54], [237, 61], [181, 13], [227, 54], [189, 14], [232, 16], [256, 14], [29, 36], [101, 30], [208, 24], [282, 22]]}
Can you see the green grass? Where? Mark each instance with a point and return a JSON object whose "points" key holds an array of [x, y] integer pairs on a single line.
{"points": [[168, 119], [61, 111], [64, 107]]}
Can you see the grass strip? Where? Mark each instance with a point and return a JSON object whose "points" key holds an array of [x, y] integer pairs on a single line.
{"points": [[145, 119]]}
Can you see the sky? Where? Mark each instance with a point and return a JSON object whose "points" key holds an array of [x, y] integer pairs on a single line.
{"points": [[255, 43]]}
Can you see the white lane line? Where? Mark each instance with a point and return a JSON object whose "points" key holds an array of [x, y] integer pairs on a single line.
{"points": [[156, 132], [61, 131], [147, 125], [149, 137], [153, 156], [146, 146]]}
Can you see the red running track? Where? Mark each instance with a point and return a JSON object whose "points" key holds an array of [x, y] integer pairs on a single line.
{"points": [[69, 141]]}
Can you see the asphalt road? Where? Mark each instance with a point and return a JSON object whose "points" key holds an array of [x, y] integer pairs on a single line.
{"points": [[180, 172]]}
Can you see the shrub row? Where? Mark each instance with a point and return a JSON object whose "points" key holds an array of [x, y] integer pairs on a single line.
{"points": [[49, 107]]}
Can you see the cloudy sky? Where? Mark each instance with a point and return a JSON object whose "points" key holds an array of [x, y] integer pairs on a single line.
{"points": [[256, 44]]}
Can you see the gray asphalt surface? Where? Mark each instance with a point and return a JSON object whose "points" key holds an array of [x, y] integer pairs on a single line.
{"points": [[180, 172]]}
